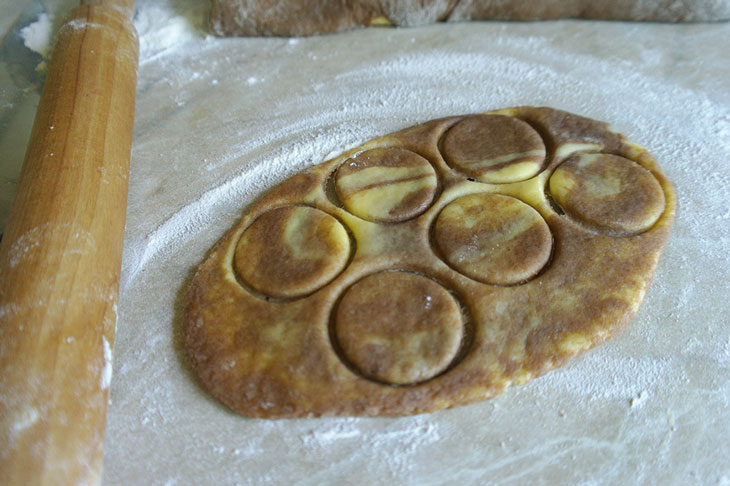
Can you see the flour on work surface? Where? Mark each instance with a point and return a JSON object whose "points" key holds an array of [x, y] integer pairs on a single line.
{"points": [[209, 139], [395, 446], [38, 36], [166, 29]]}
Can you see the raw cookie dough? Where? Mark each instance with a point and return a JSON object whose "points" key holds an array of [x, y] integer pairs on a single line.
{"points": [[309, 17], [400, 278]]}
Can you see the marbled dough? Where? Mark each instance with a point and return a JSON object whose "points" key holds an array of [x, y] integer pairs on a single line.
{"points": [[404, 276]]}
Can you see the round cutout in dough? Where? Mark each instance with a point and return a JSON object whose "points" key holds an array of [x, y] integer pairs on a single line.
{"points": [[386, 185], [494, 148], [608, 193], [291, 251], [398, 328], [493, 238]]}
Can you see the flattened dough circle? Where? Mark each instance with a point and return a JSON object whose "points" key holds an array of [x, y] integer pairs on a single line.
{"points": [[291, 251], [608, 193], [494, 148], [398, 328], [493, 238], [386, 185]]}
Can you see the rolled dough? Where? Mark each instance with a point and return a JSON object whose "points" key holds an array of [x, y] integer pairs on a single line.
{"points": [[309, 17], [399, 278]]}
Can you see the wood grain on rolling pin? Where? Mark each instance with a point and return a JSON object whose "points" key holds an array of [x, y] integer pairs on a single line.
{"points": [[60, 256]]}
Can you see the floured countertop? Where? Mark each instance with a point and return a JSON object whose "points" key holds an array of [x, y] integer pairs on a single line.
{"points": [[220, 120]]}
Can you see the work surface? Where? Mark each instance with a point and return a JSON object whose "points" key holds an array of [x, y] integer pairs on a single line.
{"points": [[220, 120]]}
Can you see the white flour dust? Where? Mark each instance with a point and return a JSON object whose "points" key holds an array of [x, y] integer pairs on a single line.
{"points": [[219, 121], [395, 446], [165, 29], [38, 36]]}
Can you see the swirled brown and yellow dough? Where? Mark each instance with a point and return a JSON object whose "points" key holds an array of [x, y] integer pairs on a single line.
{"points": [[429, 268]]}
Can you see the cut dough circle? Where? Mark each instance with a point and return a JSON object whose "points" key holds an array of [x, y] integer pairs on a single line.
{"points": [[398, 328], [386, 185], [291, 251], [607, 192], [494, 148], [493, 238]]}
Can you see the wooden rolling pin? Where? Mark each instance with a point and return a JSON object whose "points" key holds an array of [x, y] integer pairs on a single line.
{"points": [[60, 256]]}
